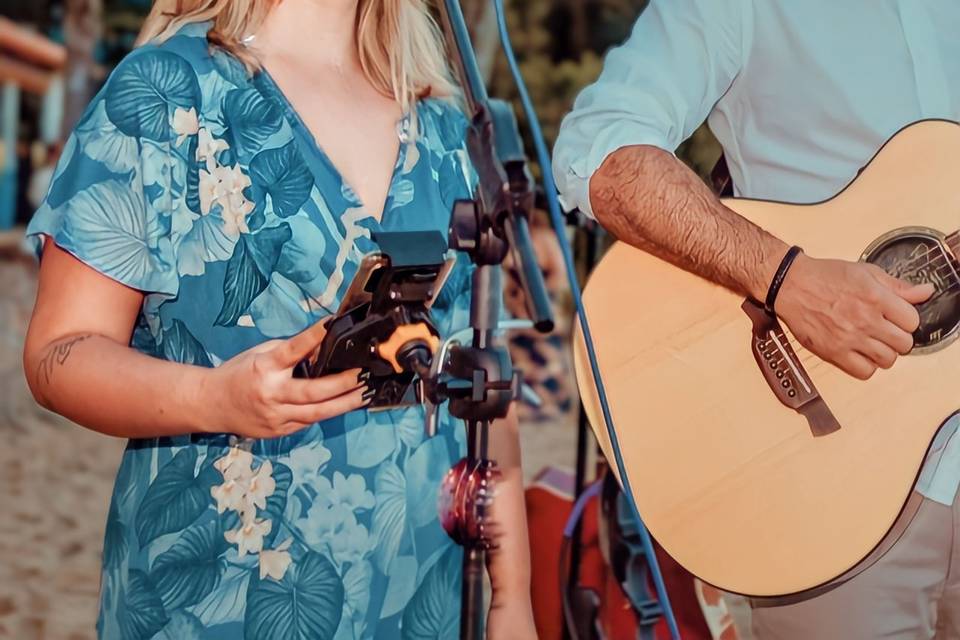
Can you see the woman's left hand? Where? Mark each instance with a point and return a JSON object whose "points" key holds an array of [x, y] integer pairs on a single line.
{"points": [[511, 618]]}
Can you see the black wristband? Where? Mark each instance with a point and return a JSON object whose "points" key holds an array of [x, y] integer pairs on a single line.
{"points": [[779, 277]]}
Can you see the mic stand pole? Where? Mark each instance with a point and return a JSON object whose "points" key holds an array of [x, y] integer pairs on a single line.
{"points": [[487, 227]]}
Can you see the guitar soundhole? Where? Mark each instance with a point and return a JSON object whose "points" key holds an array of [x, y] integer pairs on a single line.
{"points": [[919, 257]]}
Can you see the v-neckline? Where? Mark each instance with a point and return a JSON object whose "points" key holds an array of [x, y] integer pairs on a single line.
{"points": [[297, 123]]}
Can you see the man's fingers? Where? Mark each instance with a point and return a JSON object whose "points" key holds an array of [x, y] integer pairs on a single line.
{"points": [[894, 337], [314, 390], [912, 293], [917, 293], [878, 353], [901, 313], [857, 365], [296, 348]]}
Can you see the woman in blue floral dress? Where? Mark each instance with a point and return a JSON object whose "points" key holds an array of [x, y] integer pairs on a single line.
{"points": [[200, 231]]}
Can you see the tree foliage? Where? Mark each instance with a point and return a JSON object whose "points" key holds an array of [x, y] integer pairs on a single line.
{"points": [[560, 46]]}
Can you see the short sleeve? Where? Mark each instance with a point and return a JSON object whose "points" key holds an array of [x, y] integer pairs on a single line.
{"points": [[655, 89], [112, 199]]}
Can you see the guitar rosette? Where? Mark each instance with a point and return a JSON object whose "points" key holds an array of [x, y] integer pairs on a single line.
{"points": [[466, 494]]}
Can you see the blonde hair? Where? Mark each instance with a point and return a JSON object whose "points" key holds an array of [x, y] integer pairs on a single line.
{"points": [[401, 49]]}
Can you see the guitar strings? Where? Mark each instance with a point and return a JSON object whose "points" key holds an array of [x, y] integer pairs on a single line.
{"points": [[938, 246]]}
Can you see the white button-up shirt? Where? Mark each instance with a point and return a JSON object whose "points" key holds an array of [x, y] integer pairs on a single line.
{"points": [[800, 94]]}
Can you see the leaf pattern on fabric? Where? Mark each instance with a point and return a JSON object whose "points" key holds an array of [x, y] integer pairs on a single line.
{"points": [[191, 569], [434, 610], [119, 234], [182, 626], [306, 605], [197, 184], [390, 513], [103, 142], [115, 546], [176, 497], [248, 270], [402, 573], [145, 90], [425, 470], [367, 448], [179, 345], [251, 119], [283, 175], [143, 614], [300, 258], [278, 310], [277, 501]]}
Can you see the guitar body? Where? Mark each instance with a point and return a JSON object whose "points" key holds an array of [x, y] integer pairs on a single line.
{"points": [[750, 494]]}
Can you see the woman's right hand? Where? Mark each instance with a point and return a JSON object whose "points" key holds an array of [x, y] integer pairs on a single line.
{"points": [[254, 394]]}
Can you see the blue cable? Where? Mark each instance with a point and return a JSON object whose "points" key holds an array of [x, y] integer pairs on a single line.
{"points": [[559, 226]]}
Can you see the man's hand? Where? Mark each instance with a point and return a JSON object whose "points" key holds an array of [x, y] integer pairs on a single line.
{"points": [[853, 315]]}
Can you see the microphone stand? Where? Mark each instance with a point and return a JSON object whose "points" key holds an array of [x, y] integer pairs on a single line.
{"points": [[486, 228]]}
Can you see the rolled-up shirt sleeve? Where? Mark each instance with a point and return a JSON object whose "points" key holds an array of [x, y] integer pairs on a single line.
{"points": [[655, 89]]}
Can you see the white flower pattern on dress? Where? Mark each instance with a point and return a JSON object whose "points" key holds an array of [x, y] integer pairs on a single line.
{"points": [[331, 524], [223, 185], [235, 464], [230, 496], [208, 147], [185, 123], [349, 491], [244, 491], [275, 562], [261, 486], [249, 536]]}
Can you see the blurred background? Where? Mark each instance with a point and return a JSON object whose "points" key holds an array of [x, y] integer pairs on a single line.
{"points": [[55, 478]]}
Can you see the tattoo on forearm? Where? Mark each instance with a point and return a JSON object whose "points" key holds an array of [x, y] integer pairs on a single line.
{"points": [[647, 198], [57, 356]]}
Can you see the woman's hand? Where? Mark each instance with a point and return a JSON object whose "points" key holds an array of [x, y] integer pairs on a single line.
{"points": [[511, 617], [254, 394]]}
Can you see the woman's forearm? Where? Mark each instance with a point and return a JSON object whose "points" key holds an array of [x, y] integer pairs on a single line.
{"points": [[509, 564], [111, 388]]}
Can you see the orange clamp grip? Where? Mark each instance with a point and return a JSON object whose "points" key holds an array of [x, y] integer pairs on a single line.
{"points": [[404, 334]]}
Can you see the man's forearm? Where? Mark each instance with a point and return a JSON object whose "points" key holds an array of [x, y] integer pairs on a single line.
{"points": [[647, 198], [109, 387]]}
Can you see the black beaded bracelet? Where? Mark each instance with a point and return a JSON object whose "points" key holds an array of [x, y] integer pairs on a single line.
{"points": [[779, 277]]}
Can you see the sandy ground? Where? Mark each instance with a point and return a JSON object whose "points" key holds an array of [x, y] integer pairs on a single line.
{"points": [[55, 482]]}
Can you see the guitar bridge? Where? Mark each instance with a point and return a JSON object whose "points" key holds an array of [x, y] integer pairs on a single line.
{"points": [[784, 372]]}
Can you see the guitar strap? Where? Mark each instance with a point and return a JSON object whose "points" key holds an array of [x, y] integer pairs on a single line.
{"points": [[720, 178]]}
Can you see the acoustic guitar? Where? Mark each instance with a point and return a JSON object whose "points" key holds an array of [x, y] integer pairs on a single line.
{"points": [[760, 468]]}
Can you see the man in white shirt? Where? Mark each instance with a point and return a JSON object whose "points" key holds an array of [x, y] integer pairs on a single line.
{"points": [[801, 94]]}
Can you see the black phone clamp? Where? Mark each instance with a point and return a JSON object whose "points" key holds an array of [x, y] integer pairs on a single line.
{"points": [[384, 325]]}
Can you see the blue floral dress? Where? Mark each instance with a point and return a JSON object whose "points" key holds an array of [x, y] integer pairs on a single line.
{"points": [[199, 185]]}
